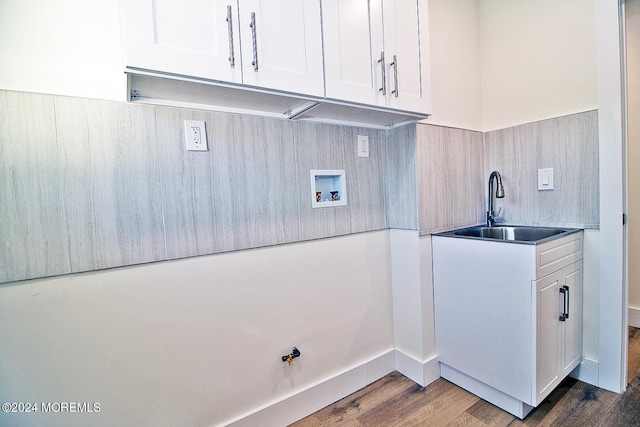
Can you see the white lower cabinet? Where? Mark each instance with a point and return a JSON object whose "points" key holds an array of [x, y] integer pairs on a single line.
{"points": [[508, 316]]}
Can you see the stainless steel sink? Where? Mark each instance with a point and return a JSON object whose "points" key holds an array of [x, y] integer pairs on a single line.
{"points": [[527, 234], [516, 234]]}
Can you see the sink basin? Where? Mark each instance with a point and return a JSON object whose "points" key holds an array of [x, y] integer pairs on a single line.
{"points": [[516, 234], [525, 234]]}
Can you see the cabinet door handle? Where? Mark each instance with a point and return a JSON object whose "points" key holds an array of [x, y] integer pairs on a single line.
{"points": [[383, 89], [232, 56], [394, 64], [254, 41], [564, 290]]}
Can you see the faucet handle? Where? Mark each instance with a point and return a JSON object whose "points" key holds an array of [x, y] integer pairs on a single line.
{"points": [[498, 216]]}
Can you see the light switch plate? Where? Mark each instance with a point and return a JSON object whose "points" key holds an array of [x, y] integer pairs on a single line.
{"points": [[195, 135], [363, 146], [545, 179]]}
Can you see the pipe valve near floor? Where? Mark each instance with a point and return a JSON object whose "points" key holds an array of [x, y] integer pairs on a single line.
{"points": [[289, 357]]}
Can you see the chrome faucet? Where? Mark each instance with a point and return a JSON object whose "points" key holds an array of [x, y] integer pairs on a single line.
{"points": [[491, 217]]}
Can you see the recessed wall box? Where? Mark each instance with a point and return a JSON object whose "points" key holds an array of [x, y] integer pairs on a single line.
{"points": [[328, 188]]}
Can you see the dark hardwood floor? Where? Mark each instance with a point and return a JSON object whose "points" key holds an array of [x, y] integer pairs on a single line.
{"points": [[397, 401]]}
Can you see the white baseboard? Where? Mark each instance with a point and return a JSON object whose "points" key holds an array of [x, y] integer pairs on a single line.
{"points": [[587, 371], [300, 404], [291, 408], [423, 373], [634, 317], [295, 406]]}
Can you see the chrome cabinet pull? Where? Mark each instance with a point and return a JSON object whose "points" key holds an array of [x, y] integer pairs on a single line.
{"points": [[383, 89], [232, 56], [394, 64], [254, 41]]}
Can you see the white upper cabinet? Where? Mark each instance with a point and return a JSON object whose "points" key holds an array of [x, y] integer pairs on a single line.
{"points": [[361, 62], [282, 45], [376, 53], [353, 44], [274, 45], [195, 38], [406, 45]]}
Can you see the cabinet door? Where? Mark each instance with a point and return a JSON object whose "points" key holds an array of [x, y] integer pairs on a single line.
{"points": [[558, 342], [353, 46], [572, 327], [282, 45], [548, 337], [406, 50], [190, 38]]}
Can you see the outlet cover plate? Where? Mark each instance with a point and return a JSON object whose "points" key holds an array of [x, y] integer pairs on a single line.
{"points": [[363, 146], [545, 179], [195, 134]]}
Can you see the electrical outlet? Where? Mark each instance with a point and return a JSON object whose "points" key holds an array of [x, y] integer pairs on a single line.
{"points": [[195, 135], [363, 146]]}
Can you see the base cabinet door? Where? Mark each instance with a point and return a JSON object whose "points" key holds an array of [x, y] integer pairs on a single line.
{"points": [[548, 334], [558, 327], [572, 326]]}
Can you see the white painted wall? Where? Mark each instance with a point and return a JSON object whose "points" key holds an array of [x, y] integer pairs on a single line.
{"points": [[538, 60], [66, 47], [591, 311], [632, 12], [407, 292], [413, 321], [497, 64], [612, 362], [426, 283], [455, 64], [196, 341]]}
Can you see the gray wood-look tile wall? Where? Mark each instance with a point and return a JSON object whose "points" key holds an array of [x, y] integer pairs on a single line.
{"points": [[89, 184], [454, 167], [402, 167], [569, 145], [109, 176], [450, 178], [32, 220]]}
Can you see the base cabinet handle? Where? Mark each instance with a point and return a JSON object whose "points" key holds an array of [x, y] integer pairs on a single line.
{"points": [[564, 290]]}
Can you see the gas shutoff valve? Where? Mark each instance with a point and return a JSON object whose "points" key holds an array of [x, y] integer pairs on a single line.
{"points": [[289, 357]]}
